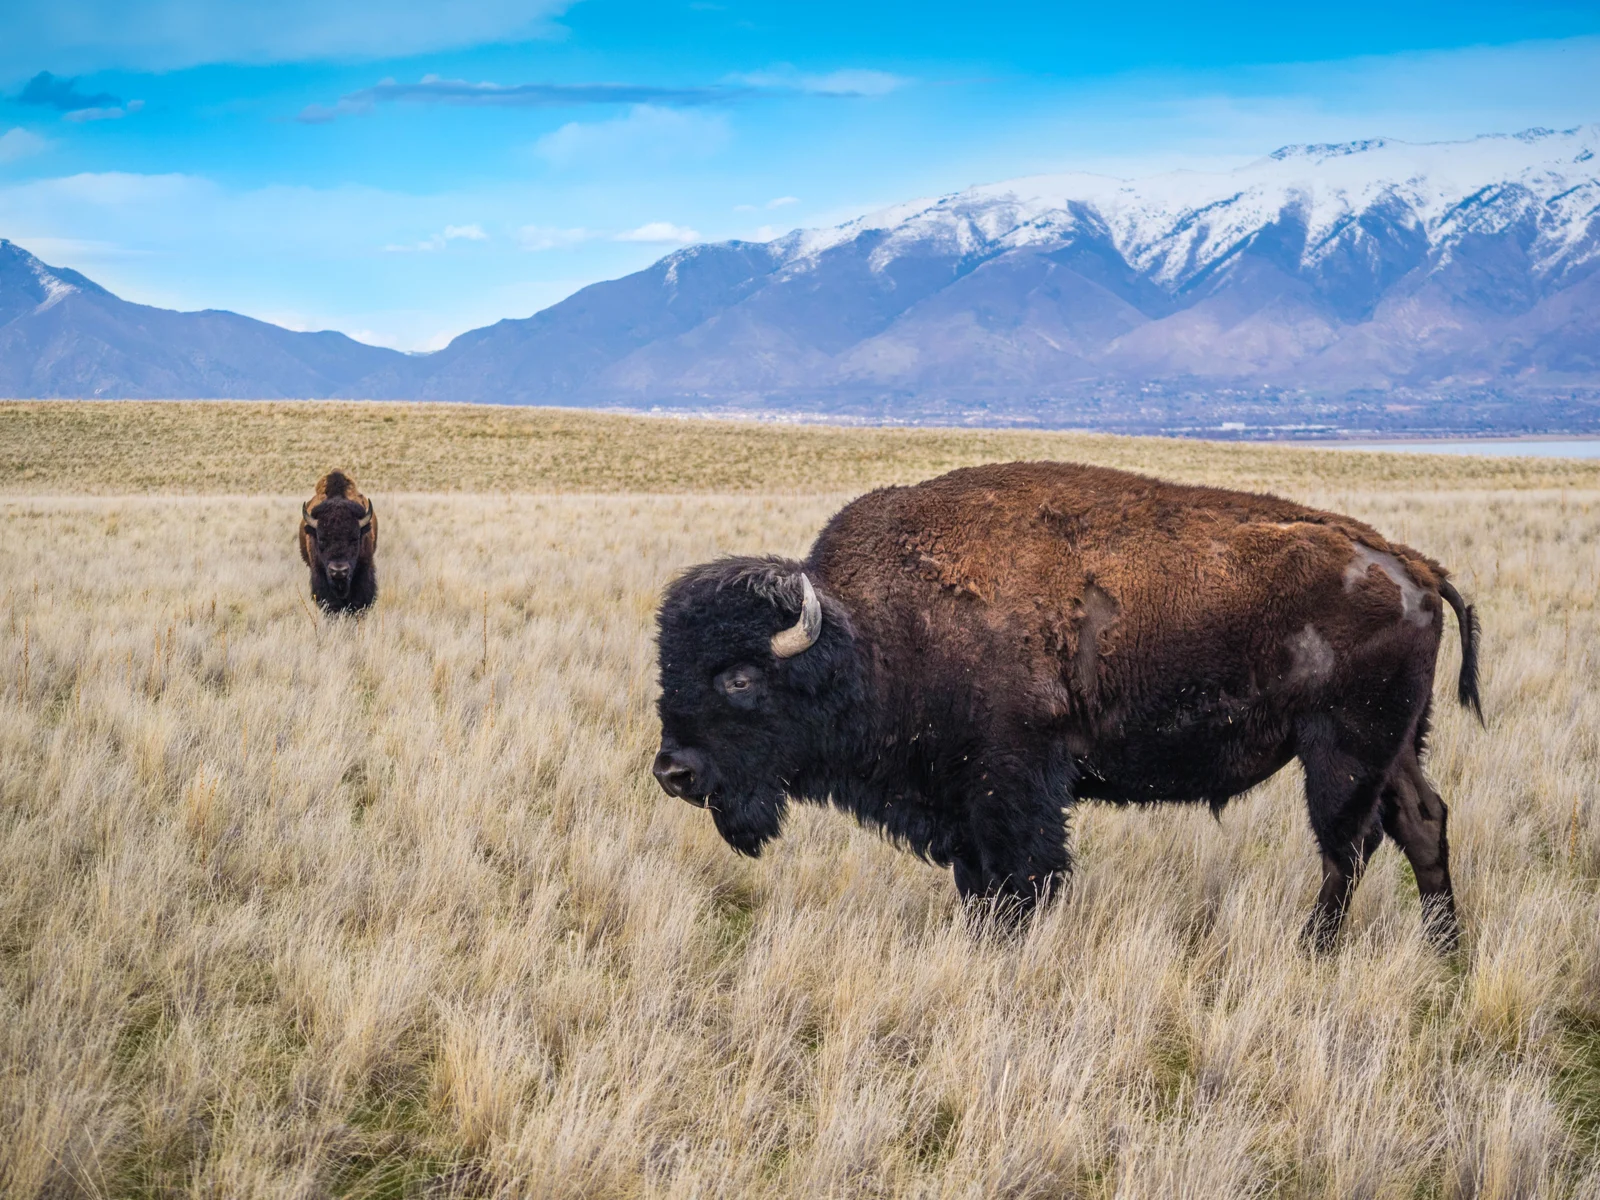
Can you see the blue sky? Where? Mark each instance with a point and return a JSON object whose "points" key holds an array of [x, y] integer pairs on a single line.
{"points": [[406, 171]]}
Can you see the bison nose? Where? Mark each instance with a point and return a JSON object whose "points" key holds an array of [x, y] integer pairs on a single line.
{"points": [[679, 772], [338, 568]]}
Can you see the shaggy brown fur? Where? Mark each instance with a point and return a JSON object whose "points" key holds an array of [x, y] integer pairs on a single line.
{"points": [[1009, 638]]}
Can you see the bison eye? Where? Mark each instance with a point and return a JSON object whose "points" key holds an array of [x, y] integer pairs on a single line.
{"points": [[739, 684]]}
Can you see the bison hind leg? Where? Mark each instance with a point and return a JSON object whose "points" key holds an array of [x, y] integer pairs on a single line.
{"points": [[1343, 781], [1414, 816]]}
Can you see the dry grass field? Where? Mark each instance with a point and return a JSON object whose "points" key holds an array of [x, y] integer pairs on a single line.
{"points": [[298, 906]]}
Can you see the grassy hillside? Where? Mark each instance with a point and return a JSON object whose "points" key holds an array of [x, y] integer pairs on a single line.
{"points": [[293, 906], [117, 448]]}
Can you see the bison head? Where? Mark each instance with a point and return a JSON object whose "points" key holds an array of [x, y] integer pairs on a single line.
{"points": [[337, 532], [757, 672]]}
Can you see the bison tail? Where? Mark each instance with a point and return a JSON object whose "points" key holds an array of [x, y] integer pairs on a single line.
{"points": [[1467, 621]]}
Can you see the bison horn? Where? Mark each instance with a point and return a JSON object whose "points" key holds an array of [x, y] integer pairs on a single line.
{"points": [[366, 518], [802, 635], [305, 515]]}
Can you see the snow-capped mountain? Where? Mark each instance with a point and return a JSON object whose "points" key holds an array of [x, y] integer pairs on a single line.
{"points": [[1319, 271], [1427, 287], [1173, 228]]}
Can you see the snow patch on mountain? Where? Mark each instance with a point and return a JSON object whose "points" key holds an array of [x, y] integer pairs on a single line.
{"points": [[55, 288], [1176, 226]]}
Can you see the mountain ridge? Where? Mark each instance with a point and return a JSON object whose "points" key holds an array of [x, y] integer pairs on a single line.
{"points": [[1455, 282], [61, 334]]}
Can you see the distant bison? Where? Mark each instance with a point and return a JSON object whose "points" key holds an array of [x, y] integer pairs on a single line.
{"points": [[957, 662], [338, 537]]}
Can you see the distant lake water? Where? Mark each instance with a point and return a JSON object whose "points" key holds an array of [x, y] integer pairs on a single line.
{"points": [[1529, 448]]}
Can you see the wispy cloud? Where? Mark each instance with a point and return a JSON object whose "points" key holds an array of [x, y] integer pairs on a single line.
{"points": [[434, 89], [662, 232], [546, 237], [45, 90], [438, 241], [646, 133], [112, 190], [161, 35], [48, 91], [834, 83], [780, 202], [52, 92], [113, 112], [20, 143]]}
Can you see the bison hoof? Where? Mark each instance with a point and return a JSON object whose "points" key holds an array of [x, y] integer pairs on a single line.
{"points": [[1320, 933], [1440, 927]]}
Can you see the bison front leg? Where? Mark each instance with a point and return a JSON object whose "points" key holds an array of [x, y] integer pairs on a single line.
{"points": [[1014, 848]]}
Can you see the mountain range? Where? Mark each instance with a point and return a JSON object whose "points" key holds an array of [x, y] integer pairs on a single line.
{"points": [[1373, 284]]}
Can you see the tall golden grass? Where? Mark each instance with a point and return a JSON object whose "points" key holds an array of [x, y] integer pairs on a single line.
{"points": [[299, 906]]}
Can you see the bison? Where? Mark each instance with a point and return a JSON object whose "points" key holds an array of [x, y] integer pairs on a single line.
{"points": [[959, 661], [338, 537]]}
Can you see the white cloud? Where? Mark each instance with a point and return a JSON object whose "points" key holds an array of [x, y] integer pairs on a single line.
{"points": [[159, 35], [853, 83], [94, 114], [433, 89], [438, 241], [659, 231], [835, 83], [20, 143], [546, 237], [780, 202], [120, 189], [645, 132]]}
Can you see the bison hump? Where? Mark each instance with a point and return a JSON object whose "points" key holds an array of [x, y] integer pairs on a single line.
{"points": [[336, 485]]}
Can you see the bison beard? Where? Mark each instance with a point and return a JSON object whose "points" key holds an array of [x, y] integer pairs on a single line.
{"points": [[747, 823], [957, 662]]}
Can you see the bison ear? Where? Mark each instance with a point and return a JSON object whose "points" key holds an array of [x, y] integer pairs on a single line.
{"points": [[305, 515], [803, 634]]}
